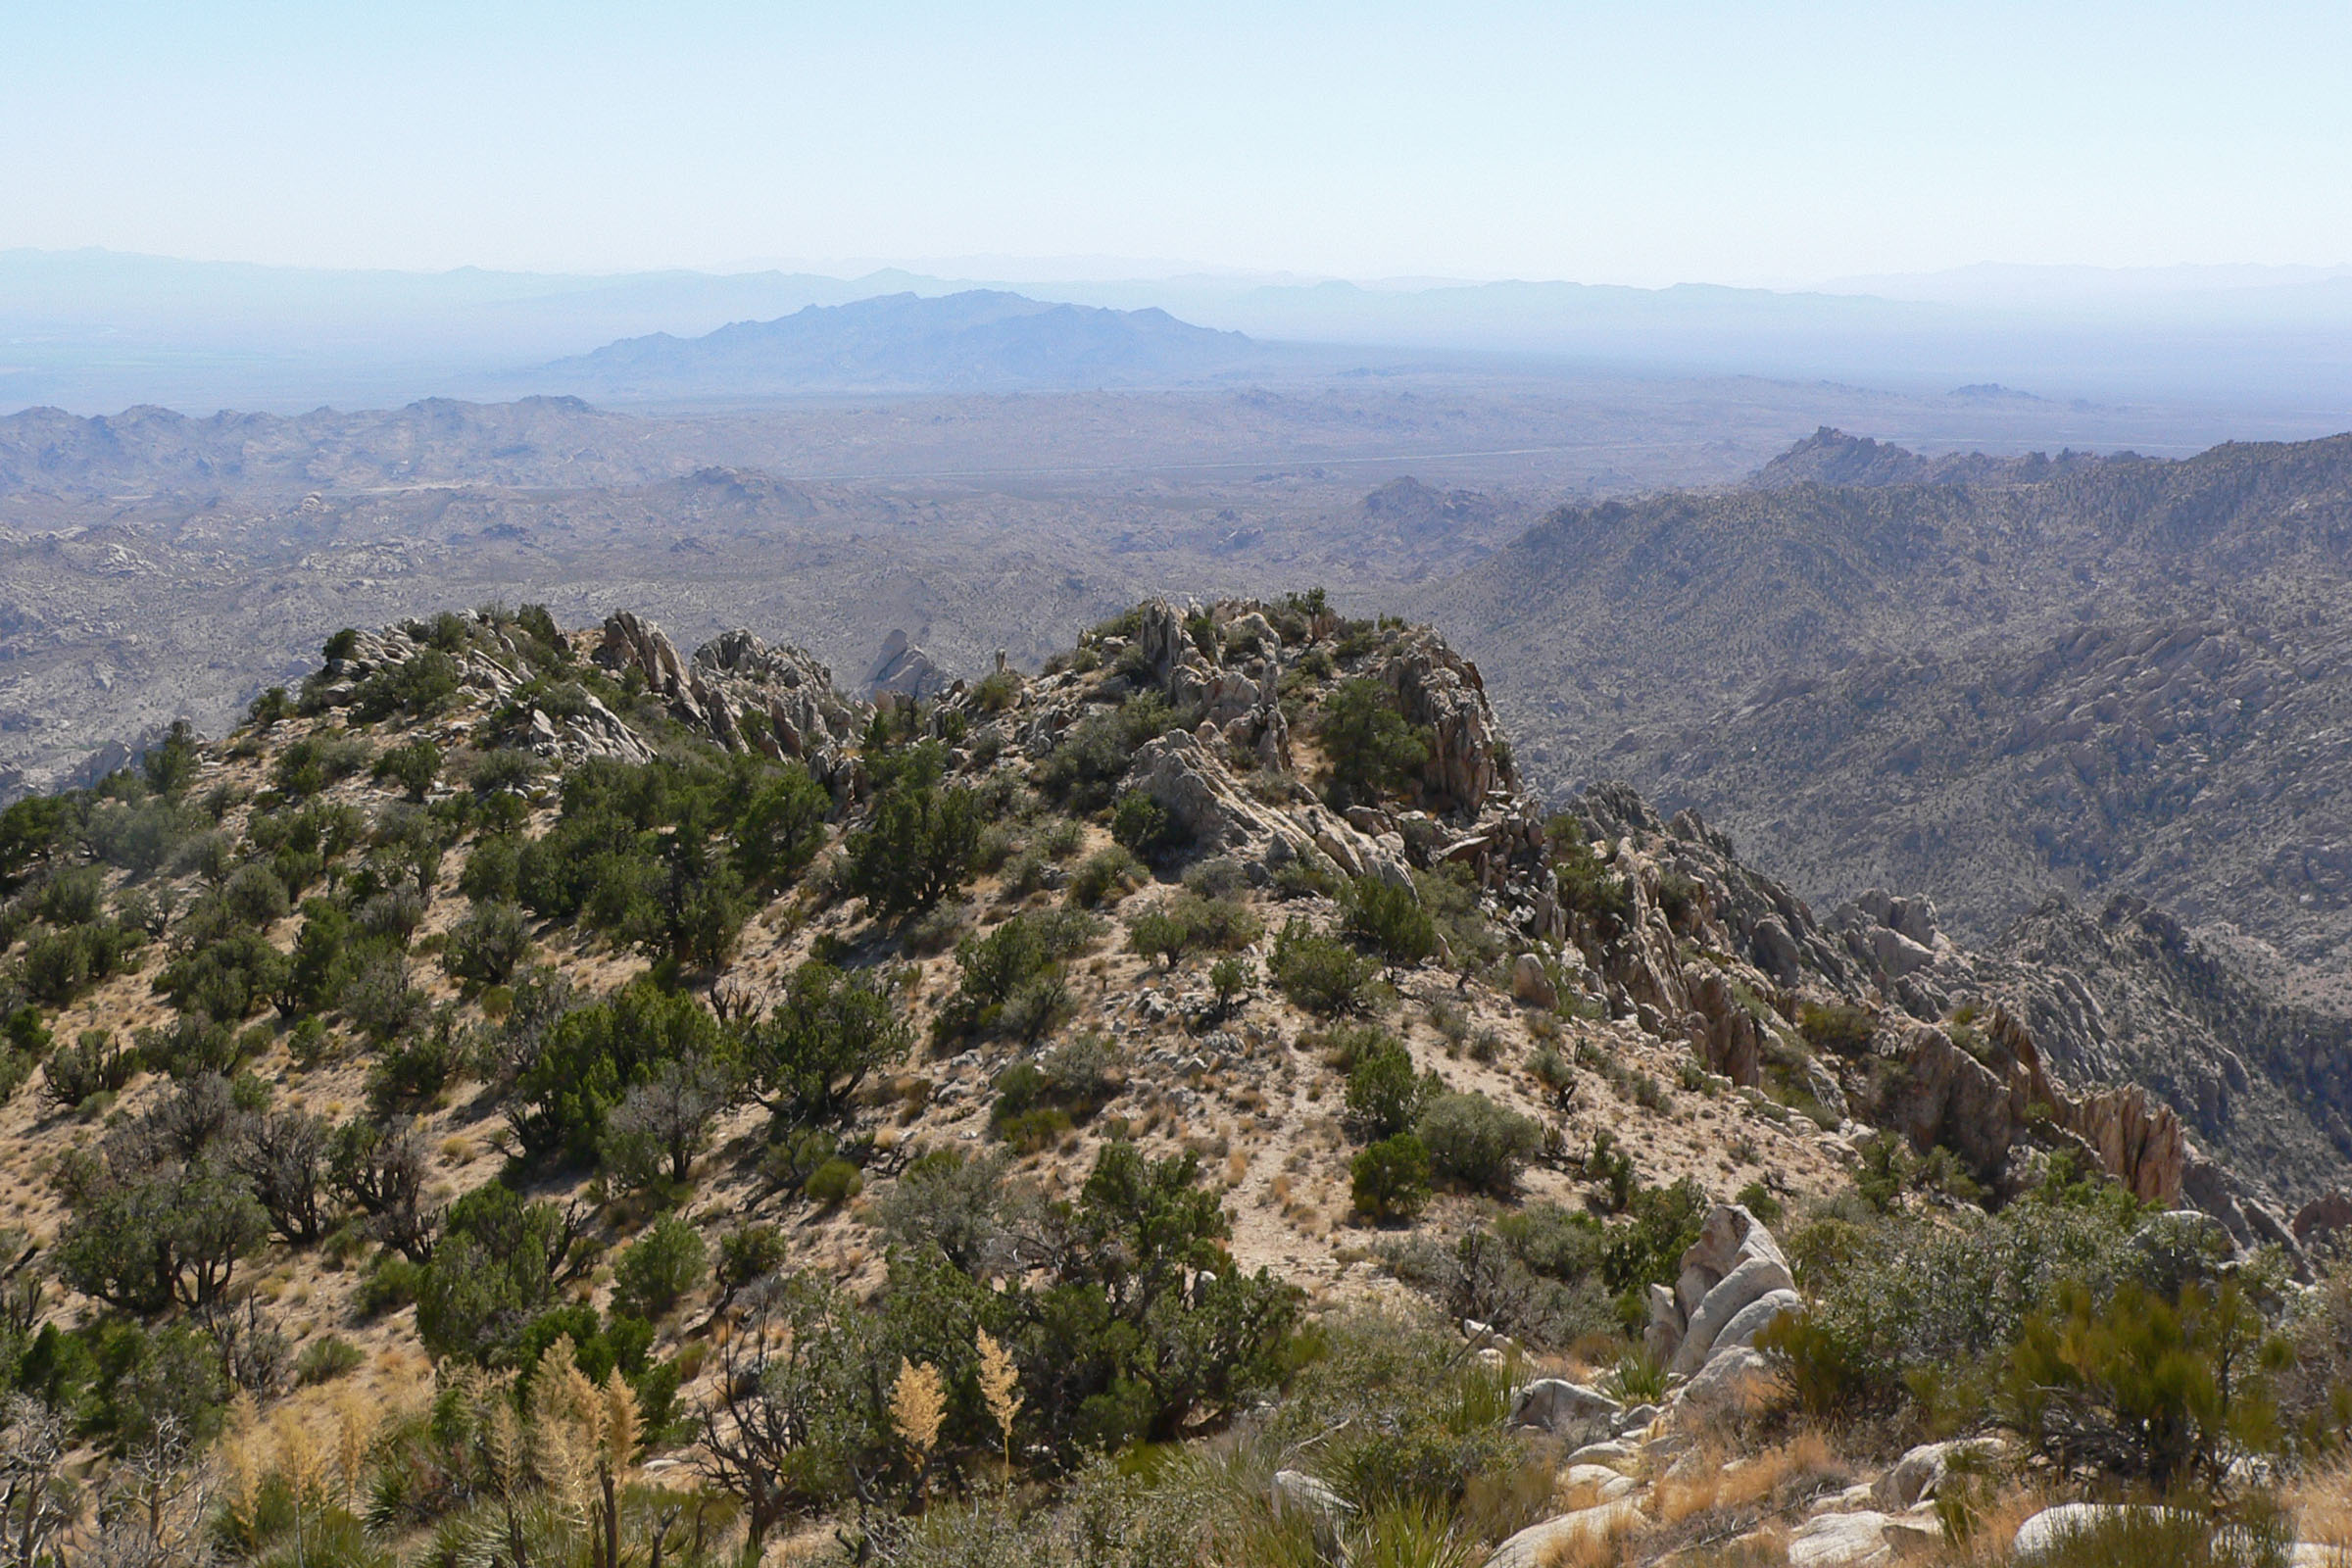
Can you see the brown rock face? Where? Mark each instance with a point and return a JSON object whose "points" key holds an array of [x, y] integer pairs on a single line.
{"points": [[1729, 1034], [2320, 1221], [1438, 688]]}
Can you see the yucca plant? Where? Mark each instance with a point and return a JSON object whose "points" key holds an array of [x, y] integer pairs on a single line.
{"points": [[1411, 1534]]}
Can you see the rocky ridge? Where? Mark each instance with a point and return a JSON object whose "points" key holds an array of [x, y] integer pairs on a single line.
{"points": [[1697, 1010]]}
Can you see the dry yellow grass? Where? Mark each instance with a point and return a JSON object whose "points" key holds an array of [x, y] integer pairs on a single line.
{"points": [[1771, 1478], [2323, 1507], [1610, 1545]]}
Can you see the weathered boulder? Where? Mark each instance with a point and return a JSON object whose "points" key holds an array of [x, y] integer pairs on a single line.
{"points": [[1919, 1473], [1754, 1318], [905, 670], [630, 642], [1729, 1035], [2318, 1221], [1855, 1540], [1543, 1543], [1753, 1279], [1532, 984], [2052, 1526], [1775, 951], [1686, 1320], [1166, 647], [1187, 783], [1610, 1452], [1598, 1483], [1939, 1094], [1727, 1380], [1574, 1411]]}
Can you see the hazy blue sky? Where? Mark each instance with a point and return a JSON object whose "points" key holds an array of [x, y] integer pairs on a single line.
{"points": [[1642, 142]]}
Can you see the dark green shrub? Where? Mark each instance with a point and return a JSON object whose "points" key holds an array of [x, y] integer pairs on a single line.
{"points": [[1588, 889], [1758, 1200], [807, 1057], [653, 1136], [416, 768], [92, 1065], [420, 685], [1106, 874], [487, 946], [314, 762], [325, 1359], [142, 1241], [834, 1182], [782, 827], [1231, 978], [1372, 749], [59, 966], [1834, 1027], [232, 979], [1390, 920], [1141, 823], [1647, 1250], [2142, 1386], [1320, 973], [415, 1067], [378, 995], [746, 1255], [1476, 1143], [491, 868], [916, 849], [1012, 979], [255, 897], [191, 1046], [590, 1057], [1038, 1102], [1082, 771], [497, 1267], [658, 1267], [1384, 1092], [1390, 1179]]}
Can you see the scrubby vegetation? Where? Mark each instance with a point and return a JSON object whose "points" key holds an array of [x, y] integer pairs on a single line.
{"points": [[896, 1132]]}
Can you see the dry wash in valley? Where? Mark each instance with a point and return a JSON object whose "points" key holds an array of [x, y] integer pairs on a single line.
{"points": [[528, 1097]]}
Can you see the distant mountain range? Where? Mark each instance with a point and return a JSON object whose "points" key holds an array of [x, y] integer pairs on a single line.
{"points": [[1979, 677], [97, 331], [980, 340]]}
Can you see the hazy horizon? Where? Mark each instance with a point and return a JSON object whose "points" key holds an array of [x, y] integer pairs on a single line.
{"points": [[1686, 143]]}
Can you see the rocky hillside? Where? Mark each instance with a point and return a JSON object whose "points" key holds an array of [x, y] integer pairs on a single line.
{"points": [[508, 1002], [1984, 679]]}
